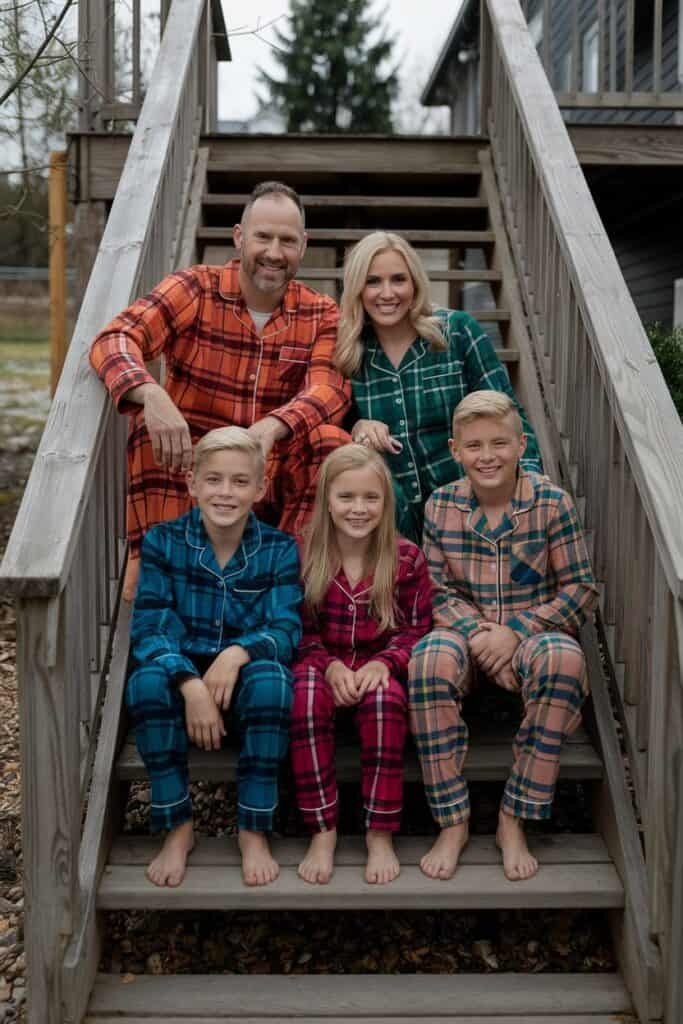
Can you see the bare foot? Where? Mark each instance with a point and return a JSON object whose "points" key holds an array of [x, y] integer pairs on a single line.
{"points": [[258, 865], [442, 860], [318, 863], [168, 867], [382, 865], [518, 864]]}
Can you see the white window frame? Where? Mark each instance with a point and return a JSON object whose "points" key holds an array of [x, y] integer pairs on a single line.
{"points": [[590, 48]]}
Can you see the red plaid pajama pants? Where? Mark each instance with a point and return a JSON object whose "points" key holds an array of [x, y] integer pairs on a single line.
{"points": [[382, 722], [551, 676]]}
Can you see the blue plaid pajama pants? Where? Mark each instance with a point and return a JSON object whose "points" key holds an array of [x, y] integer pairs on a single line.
{"points": [[551, 678], [261, 706]]}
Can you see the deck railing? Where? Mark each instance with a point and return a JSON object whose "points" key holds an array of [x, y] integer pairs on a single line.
{"points": [[620, 431], [116, 52], [64, 558], [593, 62]]}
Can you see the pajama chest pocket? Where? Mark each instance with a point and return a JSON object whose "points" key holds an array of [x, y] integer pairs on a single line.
{"points": [[528, 562], [249, 603], [293, 362]]}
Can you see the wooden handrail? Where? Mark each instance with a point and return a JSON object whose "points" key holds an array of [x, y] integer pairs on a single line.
{"points": [[622, 436], [64, 558]]}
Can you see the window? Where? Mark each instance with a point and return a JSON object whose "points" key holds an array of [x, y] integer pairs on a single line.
{"points": [[589, 58]]}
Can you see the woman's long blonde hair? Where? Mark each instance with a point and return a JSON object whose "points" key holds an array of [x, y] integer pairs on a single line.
{"points": [[322, 560], [349, 350]]}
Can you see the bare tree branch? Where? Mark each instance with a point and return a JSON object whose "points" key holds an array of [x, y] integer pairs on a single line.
{"points": [[39, 52]]}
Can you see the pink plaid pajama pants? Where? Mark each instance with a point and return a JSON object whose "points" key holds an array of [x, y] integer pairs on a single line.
{"points": [[551, 676]]}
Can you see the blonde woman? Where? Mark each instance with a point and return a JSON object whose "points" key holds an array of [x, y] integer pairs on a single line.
{"points": [[367, 603], [410, 366]]}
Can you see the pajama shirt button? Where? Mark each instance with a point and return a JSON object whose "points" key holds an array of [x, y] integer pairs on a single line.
{"points": [[350, 607], [398, 401]]}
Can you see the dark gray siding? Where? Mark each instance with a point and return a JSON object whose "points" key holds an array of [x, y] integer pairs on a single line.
{"points": [[561, 43]]}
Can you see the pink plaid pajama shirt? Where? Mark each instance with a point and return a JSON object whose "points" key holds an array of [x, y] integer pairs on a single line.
{"points": [[345, 630]]}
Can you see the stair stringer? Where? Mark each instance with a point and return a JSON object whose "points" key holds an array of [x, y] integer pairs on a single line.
{"points": [[639, 958], [81, 959]]}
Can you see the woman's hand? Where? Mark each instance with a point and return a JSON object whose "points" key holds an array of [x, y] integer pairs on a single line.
{"points": [[375, 434]]}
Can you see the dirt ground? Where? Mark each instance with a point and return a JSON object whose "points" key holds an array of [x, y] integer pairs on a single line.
{"points": [[24, 403]]}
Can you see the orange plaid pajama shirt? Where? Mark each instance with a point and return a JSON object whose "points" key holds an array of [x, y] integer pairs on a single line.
{"points": [[220, 372]]}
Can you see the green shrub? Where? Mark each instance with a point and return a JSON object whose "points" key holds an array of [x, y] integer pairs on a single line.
{"points": [[668, 347]]}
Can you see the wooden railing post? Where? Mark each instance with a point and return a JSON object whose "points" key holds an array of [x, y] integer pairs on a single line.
{"points": [[57, 212], [50, 799], [484, 68], [674, 997]]}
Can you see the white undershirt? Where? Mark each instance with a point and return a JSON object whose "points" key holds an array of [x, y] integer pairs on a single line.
{"points": [[260, 319]]}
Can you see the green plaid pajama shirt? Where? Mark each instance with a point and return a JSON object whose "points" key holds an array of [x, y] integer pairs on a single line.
{"points": [[417, 402], [531, 573]]}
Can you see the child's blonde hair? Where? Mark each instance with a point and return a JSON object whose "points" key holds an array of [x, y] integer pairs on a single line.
{"points": [[486, 403], [349, 348], [322, 560], [229, 439]]}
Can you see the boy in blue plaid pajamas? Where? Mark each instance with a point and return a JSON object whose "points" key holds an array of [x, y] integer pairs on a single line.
{"points": [[215, 624], [512, 585]]}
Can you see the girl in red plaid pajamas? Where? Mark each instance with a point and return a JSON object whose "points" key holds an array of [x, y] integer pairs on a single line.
{"points": [[367, 604]]}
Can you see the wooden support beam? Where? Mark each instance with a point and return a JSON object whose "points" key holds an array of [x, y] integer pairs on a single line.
{"points": [[57, 215]]}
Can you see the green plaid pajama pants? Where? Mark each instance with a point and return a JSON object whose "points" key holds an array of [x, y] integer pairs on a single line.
{"points": [[551, 676]]}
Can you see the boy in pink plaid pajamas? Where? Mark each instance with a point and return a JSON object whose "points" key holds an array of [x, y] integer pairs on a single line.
{"points": [[512, 585], [367, 603]]}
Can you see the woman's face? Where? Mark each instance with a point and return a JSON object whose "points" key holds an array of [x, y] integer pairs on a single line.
{"points": [[389, 290]]}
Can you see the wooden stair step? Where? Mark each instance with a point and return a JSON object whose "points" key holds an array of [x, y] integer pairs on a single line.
{"points": [[346, 202], [461, 998], [453, 1018], [550, 848], [344, 236], [488, 760], [219, 886]]}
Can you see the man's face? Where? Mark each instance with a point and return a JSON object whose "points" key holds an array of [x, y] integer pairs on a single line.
{"points": [[271, 242]]}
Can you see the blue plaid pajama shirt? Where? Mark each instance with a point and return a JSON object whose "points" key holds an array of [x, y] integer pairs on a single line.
{"points": [[187, 610], [417, 401]]}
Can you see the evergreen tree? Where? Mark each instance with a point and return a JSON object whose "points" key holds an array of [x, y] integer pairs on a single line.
{"points": [[331, 56]]}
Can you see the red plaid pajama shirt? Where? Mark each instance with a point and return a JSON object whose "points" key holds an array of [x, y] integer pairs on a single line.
{"points": [[345, 630], [220, 372]]}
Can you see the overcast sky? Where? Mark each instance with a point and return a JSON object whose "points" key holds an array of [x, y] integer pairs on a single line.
{"points": [[420, 27]]}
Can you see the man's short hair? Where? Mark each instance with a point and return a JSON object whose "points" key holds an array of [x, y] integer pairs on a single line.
{"points": [[486, 403], [273, 188], [229, 439]]}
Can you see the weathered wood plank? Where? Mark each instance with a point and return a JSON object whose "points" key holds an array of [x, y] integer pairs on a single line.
{"points": [[187, 253], [361, 996], [317, 236], [474, 886], [344, 202], [453, 1018], [484, 764], [82, 955], [561, 848]]}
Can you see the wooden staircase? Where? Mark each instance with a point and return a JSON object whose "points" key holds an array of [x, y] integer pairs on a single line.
{"points": [[451, 212], [509, 232]]}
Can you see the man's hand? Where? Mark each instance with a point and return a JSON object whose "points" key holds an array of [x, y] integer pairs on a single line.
{"points": [[222, 674], [370, 676], [167, 428], [267, 431], [375, 434], [203, 719], [343, 683], [492, 646]]}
